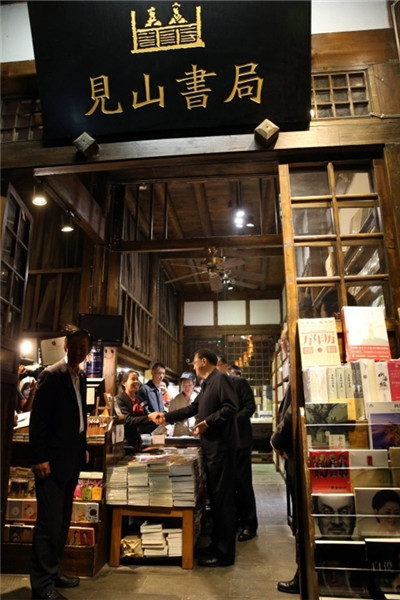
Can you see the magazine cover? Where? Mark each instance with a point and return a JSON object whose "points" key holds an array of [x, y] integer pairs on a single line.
{"points": [[318, 342], [378, 511], [369, 468], [327, 425], [334, 516], [384, 424], [383, 556], [329, 471]]}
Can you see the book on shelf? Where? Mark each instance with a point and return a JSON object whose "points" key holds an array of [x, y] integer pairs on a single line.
{"points": [[384, 424], [382, 381], [334, 515], [329, 471], [81, 536], [359, 434], [368, 379], [18, 533], [21, 509], [364, 333], [383, 559], [357, 390], [394, 378], [315, 384], [378, 511], [349, 554], [394, 458], [340, 583], [327, 425], [369, 468], [319, 344]]}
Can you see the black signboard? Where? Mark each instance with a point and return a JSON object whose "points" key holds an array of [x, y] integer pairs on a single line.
{"points": [[133, 70]]}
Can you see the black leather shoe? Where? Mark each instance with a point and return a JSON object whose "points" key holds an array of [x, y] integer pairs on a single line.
{"points": [[289, 587], [246, 534], [49, 595], [66, 582], [213, 561]]}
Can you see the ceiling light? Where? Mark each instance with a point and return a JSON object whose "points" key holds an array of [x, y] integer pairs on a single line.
{"points": [[39, 197], [250, 221], [67, 224]]}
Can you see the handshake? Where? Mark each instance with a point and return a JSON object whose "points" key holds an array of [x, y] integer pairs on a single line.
{"points": [[157, 417]]}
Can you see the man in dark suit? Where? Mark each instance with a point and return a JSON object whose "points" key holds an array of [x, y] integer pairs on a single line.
{"points": [[215, 407], [150, 394], [57, 442], [244, 492]]}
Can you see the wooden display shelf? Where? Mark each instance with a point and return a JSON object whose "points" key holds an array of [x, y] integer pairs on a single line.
{"points": [[186, 514]]}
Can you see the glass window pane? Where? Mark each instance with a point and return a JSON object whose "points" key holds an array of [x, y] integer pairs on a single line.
{"points": [[17, 291], [8, 246], [364, 260], [358, 220], [5, 280], [315, 261], [307, 182], [372, 295], [12, 214], [312, 221], [354, 181]]}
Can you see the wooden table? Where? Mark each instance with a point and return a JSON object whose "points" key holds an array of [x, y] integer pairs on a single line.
{"points": [[186, 514]]}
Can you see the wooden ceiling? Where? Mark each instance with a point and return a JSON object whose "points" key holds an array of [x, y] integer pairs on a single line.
{"points": [[191, 224]]}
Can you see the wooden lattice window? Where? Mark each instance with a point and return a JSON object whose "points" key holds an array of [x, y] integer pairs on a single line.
{"points": [[21, 120], [337, 95]]}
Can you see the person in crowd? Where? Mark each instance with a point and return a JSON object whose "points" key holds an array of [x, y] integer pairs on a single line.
{"points": [[386, 507], [330, 304], [234, 370], [128, 405], [57, 444], [166, 396], [150, 394], [335, 515], [215, 408], [26, 394], [282, 442], [244, 492], [181, 400]]}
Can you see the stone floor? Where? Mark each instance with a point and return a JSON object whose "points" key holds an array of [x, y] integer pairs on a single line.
{"points": [[260, 563]]}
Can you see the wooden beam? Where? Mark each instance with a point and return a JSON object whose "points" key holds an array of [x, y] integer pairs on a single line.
{"points": [[169, 246]]}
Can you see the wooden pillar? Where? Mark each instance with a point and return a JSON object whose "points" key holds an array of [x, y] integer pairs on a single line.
{"points": [[153, 305]]}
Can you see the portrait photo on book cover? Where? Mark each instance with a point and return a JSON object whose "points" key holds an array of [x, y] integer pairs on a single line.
{"points": [[378, 511], [334, 516]]}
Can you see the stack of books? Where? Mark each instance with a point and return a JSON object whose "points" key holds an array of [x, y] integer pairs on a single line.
{"points": [[153, 539], [185, 480], [138, 484], [116, 483], [174, 541], [160, 485]]}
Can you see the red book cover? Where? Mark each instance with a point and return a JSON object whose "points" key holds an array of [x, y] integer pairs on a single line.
{"points": [[329, 471], [365, 333], [394, 378]]}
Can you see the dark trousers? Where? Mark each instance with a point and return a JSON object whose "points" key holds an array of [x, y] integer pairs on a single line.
{"points": [[54, 507], [245, 498], [220, 475]]}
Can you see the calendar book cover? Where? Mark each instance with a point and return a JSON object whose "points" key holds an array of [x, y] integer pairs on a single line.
{"points": [[378, 511], [329, 471], [365, 334], [327, 425], [318, 342], [384, 424], [334, 516]]}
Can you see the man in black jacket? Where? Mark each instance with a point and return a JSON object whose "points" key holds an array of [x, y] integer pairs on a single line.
{"points": [[215, 406], [57, 442], [244, 492]]}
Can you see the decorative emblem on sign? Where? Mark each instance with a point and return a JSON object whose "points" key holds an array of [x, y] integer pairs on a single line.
{"points": [[177, 34]]}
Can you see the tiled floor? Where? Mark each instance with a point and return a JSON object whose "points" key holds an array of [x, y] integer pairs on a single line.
{"points": [[260, 563]]}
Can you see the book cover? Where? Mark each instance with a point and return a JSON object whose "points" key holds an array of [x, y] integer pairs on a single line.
{"points": [[81, 536], [382, 379], [383, 559], [318, 342], [394, 378], [340, 383], [394, 461], [327, 425], [347, 554], [384, 424], [331, 383], [315, 384], [365, 333], [329, 471], [359, 434], [369, 468], [378, 511], [340, 583], [21, 510], [334, 515], [368, 379], [357, 390]]}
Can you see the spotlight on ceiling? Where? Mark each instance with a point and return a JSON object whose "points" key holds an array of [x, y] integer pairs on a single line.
{"points": [[67, 224], [39, 197], [250, 221]]}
